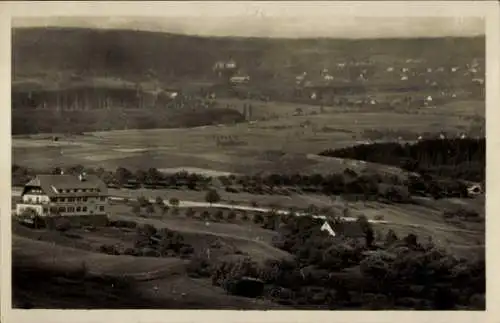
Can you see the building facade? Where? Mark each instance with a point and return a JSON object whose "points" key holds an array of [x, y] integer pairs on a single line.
{"points": [[64, 195]]}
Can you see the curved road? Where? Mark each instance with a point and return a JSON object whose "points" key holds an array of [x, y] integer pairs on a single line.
{"points": [[186, 204]]}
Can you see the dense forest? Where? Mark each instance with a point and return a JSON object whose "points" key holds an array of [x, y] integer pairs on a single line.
{"points": [[75, 122], [451, 158]]}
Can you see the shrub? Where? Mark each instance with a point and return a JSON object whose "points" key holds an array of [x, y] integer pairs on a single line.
{"points": [[190, 213], [174, 201], [186, 250], [109, 249], [62, 225], [205, 215], [143, 202], [136, 209], [258, 218], [130, 252], [199, 267], [219, 215], [231, 215]]}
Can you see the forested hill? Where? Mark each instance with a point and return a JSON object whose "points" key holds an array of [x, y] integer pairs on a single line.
{"points": [[453, 158], [135, 55]]}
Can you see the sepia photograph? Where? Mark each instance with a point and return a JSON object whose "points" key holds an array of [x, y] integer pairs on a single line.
{"points": [[248, 161]]}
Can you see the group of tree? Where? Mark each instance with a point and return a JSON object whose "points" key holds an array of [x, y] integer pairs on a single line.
{"points": [[366, 273], [453, 158], [164, 242]]}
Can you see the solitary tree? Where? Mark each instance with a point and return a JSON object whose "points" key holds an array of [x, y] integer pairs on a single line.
{"points": [[174, 201], [219, 215], [159, 200], [143, 202], [212, 197], [136, 209]]}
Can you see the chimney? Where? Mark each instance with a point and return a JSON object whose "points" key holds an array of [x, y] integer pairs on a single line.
{"points": [[81, 177]]}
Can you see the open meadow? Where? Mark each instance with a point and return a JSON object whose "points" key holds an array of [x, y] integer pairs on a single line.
{"points": [[286, 143]]}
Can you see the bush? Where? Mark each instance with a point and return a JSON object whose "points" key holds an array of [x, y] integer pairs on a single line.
{"points": [[190, 213], [231, 215], [186, 250], [109, 249], [219, 215], [62, 224], [136, 209], [130, 252], [143, 202], [174, 201], [258, 218], [199, 267], [205, 215]]}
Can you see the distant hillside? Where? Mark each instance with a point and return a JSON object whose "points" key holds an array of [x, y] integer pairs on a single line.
{"points": [[116, 79], [139, 55]]}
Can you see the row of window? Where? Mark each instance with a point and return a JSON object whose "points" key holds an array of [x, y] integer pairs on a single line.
{"points": [[79, 190], [70, 209], [74, 199]]}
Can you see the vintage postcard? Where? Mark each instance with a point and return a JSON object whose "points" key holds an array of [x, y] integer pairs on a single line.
{"points": [[254, 161]]}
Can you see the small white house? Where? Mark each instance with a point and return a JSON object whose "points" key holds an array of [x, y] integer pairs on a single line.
{"points": [[240, 79], [328, 77], [326, 227]]}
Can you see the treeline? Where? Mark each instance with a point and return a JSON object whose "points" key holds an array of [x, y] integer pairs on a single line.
{"points": [[348, 184], [453, 158], [53, 121], [121, 177], [348, 273]]}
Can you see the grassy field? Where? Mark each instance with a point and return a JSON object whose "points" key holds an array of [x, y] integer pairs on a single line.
{"points": [[286, 143], [57, 257]]}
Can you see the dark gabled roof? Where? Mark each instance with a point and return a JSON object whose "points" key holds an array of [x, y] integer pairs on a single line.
{"points": [[347, 229], [52, 184]]}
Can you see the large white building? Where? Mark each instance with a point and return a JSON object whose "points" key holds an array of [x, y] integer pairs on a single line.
{"points": [[64, 195]]}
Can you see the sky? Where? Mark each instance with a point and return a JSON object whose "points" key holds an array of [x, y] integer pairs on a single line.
{"points": [[260, 25]]}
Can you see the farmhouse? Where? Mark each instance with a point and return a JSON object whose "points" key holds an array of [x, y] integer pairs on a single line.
{"points": [[344, 229], [64, 195]]}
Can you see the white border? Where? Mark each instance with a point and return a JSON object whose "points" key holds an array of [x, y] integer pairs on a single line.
{"points": [[487, 9]]}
